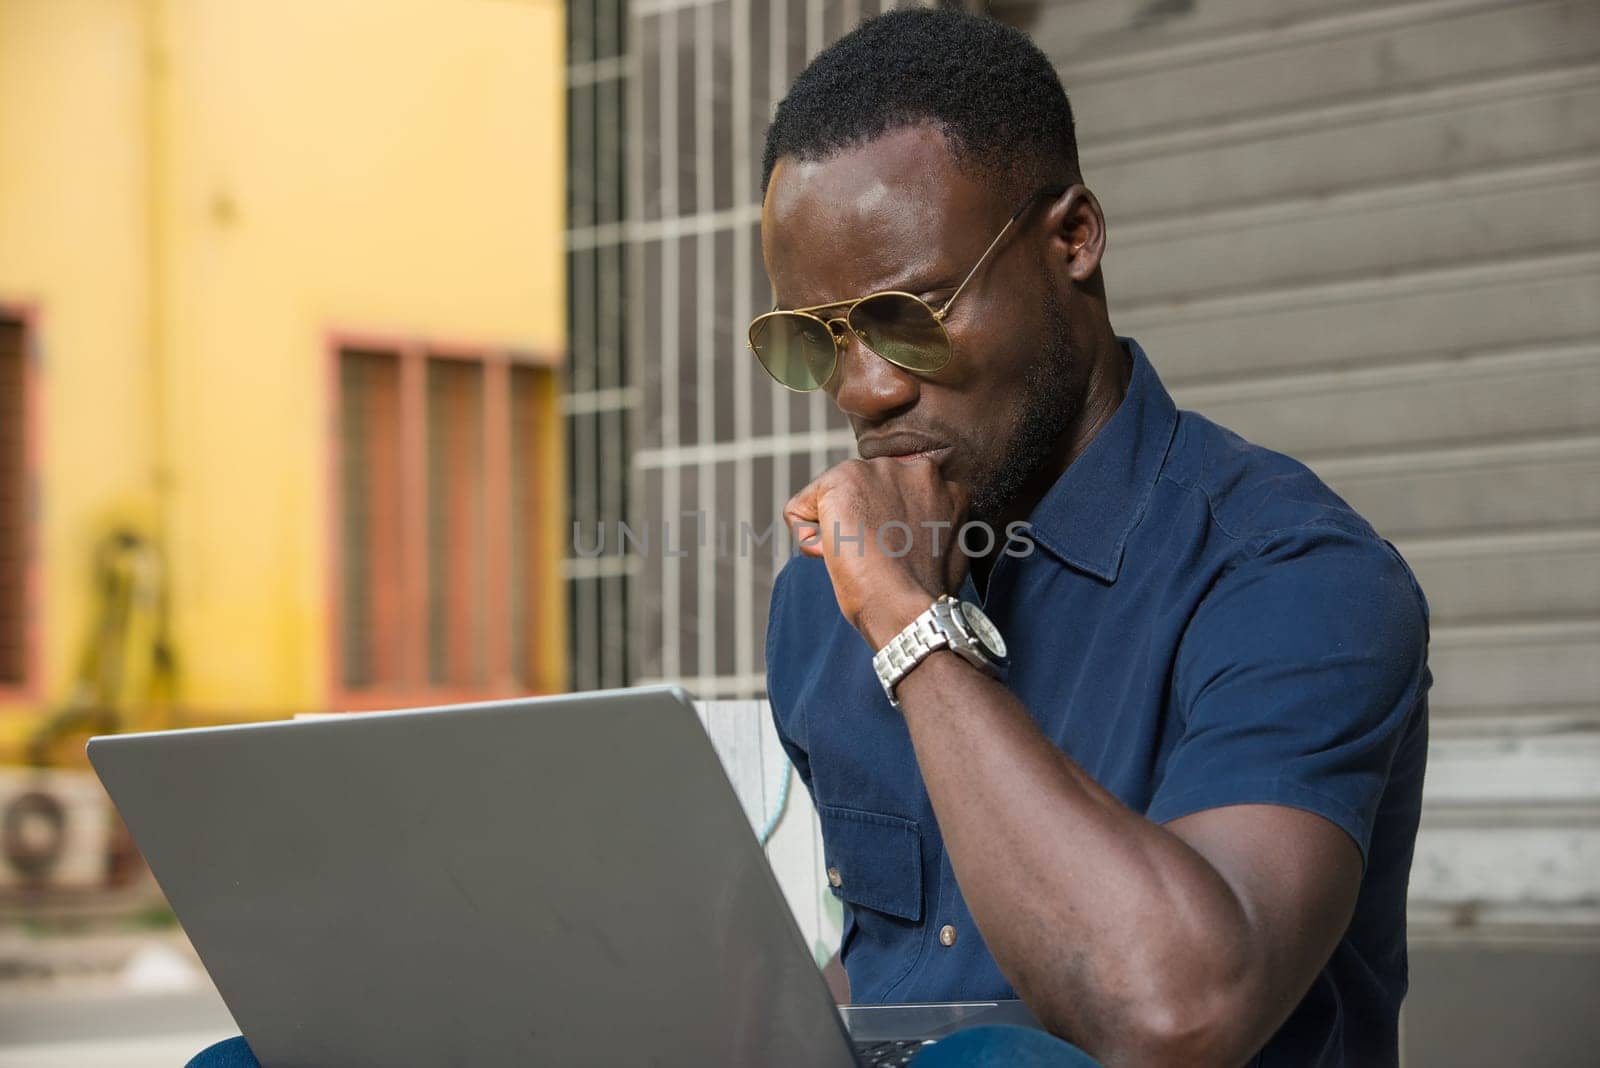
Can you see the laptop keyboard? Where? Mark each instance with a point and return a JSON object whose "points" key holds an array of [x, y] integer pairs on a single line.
{"points": [[890, 1054]]}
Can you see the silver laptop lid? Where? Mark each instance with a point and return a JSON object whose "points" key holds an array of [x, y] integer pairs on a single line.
{"points": [[567, 880]]}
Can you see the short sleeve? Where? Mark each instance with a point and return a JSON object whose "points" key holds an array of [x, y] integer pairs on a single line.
{"points": [[1297, 679], [781, 682]]}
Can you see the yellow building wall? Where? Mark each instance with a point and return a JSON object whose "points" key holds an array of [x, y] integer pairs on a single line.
{"points": [[333, 165], [74, 246], [198, 194]]}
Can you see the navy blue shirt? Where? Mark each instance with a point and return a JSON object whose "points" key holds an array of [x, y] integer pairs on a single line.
{"points": [[1201, 622]]}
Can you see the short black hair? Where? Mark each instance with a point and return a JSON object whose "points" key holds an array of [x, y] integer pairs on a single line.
{"points": [[984, 85]]}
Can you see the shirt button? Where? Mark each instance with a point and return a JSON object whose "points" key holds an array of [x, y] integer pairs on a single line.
{"points": [[833, 878], [947, 935]]}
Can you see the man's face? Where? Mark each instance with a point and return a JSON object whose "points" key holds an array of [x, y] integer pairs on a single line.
{"points": [[897, 213]]}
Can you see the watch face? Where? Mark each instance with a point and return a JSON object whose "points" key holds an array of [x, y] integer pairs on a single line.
{"points": [[985, 630]]}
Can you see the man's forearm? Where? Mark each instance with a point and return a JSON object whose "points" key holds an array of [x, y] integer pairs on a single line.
{"points": [[1118, 933]]}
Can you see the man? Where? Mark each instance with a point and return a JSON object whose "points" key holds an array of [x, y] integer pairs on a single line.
{"points": [[1178, 820]]}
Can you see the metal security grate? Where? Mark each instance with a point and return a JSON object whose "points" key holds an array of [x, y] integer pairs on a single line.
{"points": [[669, 102], [601, 394]]}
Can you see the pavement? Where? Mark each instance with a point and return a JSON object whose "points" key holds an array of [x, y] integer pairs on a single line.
{"points": [[134, 1000]]}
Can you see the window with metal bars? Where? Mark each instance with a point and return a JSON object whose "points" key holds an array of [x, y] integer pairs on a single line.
{"points": [[15, 509], [446, 553]]}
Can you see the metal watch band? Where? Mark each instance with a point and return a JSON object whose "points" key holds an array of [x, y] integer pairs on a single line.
{"points": [[905, 650]]}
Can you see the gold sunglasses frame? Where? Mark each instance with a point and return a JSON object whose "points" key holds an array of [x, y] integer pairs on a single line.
{"points": [[840, 338]]}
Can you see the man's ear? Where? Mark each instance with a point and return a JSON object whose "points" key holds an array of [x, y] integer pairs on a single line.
{"points": [[1077, 229]]}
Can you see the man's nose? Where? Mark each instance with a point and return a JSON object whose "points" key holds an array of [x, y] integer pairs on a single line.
{"points": [[866, 385]]}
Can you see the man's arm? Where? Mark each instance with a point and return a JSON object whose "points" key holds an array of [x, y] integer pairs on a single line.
{"points": [[1186, 937], [1184, 944]]}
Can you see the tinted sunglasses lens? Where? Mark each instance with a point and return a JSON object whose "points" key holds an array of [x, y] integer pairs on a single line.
{"points": [[902, 330], [797, 350]]}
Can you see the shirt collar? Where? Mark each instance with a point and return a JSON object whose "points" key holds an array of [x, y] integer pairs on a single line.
{"points": [[1086, 517]]}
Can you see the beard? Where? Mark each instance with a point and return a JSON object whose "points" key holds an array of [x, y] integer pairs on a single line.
{"points": [[1050, 404]]}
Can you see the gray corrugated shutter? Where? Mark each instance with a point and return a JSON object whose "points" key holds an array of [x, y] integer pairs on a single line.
{"points": [[1369, 235]]}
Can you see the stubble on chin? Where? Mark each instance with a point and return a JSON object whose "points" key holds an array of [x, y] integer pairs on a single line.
{"points": [[1048, 409]]}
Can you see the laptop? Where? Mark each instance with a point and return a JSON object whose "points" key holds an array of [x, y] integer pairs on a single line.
{"points": [[566, 881]]}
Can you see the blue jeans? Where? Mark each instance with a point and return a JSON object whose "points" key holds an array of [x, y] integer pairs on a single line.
{"points": [[1003, 1047], [232, 1053], [977, 1047]]}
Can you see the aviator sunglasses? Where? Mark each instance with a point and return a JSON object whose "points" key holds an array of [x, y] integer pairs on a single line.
{"points": [[800, 348]]}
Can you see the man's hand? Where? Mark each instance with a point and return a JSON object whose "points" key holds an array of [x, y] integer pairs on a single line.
{"points": [[887, 529]]}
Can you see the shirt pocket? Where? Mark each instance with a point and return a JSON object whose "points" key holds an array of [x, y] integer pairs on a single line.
{"points": [[873, 860]]}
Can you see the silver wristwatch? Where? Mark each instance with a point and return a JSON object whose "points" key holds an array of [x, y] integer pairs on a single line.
{"points": [[949, 623]]}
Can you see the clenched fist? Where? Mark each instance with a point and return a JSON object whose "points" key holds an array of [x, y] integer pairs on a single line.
{"points": [[887, 529]]}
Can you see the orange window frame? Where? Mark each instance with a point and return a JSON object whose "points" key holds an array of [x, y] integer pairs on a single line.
{"points": [[26, 690], [407, 607]]}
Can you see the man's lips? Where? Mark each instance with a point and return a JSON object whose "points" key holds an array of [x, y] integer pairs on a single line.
{"points": [[936, 455], [906, 448]]}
